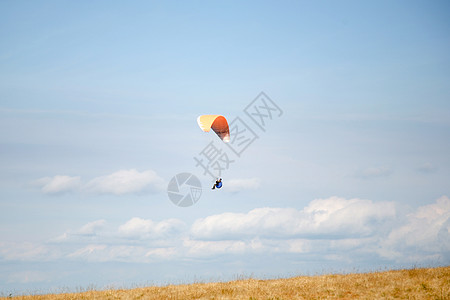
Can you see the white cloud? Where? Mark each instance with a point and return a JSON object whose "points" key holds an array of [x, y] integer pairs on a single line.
{"points": [[62, 238], [138, 228], [322, 218], [59, 184], [25, 251], [125, 253], [252, 246], [163, 253], [212, 248], [126, 182], [121, 182], [90, 231], [236, 185], [426, 231], [88, 252], [92, 227]]}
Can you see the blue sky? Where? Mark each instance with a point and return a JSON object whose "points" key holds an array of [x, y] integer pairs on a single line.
{"points": [[98, 108]]}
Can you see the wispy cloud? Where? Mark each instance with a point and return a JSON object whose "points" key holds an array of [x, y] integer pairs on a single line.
{"points": [[426, 233], [206, 249], [90, 253], [59, 184], [90, 231], [162, 253], [126, 182], [92, 227], [121, 182], [138, 228], [26, 251]]}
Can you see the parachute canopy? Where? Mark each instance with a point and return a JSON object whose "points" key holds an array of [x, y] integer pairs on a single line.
{"points": [[217, 123]]}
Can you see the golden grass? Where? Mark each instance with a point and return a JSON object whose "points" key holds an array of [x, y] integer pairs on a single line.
{"points": [[430, 283]]}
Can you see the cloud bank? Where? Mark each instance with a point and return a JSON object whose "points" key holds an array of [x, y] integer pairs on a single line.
{"points": [[426, 234], [323, 218], [334, 229]]}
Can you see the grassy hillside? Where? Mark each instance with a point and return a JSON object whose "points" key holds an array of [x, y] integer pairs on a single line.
{"points": [[433, 283]]}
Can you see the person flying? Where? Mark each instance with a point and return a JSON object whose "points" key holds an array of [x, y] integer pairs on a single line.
{"points": [[218, 184]]}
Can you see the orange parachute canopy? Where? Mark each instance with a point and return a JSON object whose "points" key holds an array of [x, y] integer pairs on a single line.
{"points": [[217, 123]]}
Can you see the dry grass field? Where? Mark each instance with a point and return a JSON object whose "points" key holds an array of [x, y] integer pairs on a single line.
{"points": [[431, 283]]}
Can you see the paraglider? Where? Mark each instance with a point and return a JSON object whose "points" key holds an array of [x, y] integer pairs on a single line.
{"points": [[218, 184], [217, 123]]}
